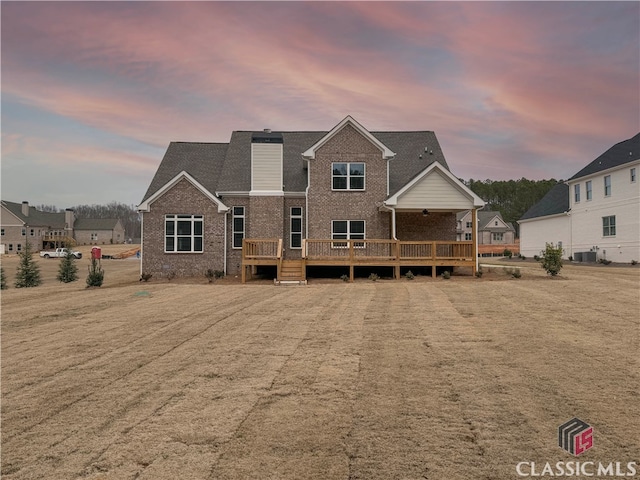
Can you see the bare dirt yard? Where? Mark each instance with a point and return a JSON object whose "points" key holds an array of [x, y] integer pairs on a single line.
{"points": [[424, 379]]}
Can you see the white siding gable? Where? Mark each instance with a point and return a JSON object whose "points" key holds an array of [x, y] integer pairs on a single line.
{"points": [[266, 168], [435, 191]]}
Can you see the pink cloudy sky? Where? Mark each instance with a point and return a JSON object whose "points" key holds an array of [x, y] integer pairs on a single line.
{"points": [[92, 92]]}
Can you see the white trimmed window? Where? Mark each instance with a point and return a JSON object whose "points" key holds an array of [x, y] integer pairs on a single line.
{"points": [[31, 232], [468, 236], [183, 233], [347, 229], [2, 232], [94, 237], [632, 175], [469, 224], [295, 215], [576, 193], [609, 226], [347, 176], [24, 232], [19, 247], [589, 189], [238, 226], [498, 236], [607, 186]]}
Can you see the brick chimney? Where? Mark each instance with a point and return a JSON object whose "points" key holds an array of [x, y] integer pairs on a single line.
{"points": [[25, 209], [69, 219]]}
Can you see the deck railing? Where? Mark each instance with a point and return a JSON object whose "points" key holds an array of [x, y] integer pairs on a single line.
{"points": [[261, 248], [391, 250]]}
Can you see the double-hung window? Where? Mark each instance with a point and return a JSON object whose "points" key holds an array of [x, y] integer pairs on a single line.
{"points": [[498, 236], [607, 186], [347, 229], [589, 189], [609, 226], [469, 224], [238, 226], [347, 176], [296, 227], [576, 193], [632, 175], [183, 233], [468, 236]]}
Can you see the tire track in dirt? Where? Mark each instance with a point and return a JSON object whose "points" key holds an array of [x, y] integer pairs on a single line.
{"points": [[223, 314]]}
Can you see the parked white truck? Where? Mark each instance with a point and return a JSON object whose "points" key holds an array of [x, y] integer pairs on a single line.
{"points": [[59, 252]]}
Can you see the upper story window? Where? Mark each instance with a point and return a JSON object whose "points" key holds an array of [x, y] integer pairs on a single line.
{"points": [[632, 174], [296, 227], [347, 176], [2, 232], [183, 233], [576, 193], [589, 189], [498, 236], [238, 226], [609, 226], [607, 186], [24, 232], [469, 224]]}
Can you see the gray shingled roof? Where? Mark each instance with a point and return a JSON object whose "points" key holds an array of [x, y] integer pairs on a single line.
{"points": [[36, 217], [554, 202], [95, 223], [484, 217], [621, 153], [226, 167]]}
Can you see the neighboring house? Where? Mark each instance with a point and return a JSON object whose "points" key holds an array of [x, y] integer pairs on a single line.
{"points": [[22, 223], [492, 229], [297, 199], [98, 231], [595, 214]]}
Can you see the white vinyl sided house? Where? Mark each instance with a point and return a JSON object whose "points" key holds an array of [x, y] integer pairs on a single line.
{"points": [[595, 215]]}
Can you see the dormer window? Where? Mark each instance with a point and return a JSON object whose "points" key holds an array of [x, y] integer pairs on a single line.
{"points": [[347, 176]]}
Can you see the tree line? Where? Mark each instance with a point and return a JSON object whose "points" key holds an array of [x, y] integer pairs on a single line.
{"points": [[512, 198], [127, 214]]}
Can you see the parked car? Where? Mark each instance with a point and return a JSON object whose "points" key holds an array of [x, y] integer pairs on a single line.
{"points": [[59, 252]]}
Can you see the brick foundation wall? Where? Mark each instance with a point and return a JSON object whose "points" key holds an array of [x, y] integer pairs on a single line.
{"points": [[182, 199], [326, 205]]}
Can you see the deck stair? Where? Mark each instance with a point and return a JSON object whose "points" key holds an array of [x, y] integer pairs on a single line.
{"points": [[292, 272]]}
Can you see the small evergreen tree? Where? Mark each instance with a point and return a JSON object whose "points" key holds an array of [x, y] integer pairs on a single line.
{"points": [[28, 274], [551, 259], [68, 271], [96, 274], [3, 280]]}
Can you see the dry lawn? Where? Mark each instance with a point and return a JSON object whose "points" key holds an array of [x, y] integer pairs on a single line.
{"points": [[431, 378]]}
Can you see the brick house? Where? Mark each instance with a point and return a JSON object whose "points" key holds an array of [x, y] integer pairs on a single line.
{"points": [[296, 199]]}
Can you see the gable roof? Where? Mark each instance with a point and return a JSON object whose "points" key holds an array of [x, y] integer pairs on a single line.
{"points": [[348, 120], [556, 201], [484, 217], [96, 223], [621, 153], [225, 168], [36, 217]]}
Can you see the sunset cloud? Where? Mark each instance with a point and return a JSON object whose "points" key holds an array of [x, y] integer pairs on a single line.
{"points": [[512, 89]]}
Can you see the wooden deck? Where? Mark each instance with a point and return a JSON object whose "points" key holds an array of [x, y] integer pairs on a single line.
{"points": [[353, 253]]}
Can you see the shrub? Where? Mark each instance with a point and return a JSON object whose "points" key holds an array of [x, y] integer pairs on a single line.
{"points": [[634, 262], [374, 277], [145, 277], [536, 258], [28, 274], [344, 278], [410, 275], [446, 275], [3, 280], [551, 259], [479, 272], [171, 275], [604, 261], [68, 270], [507, 253], [571, 259], [210, 275], [516, 273], [96, 274]]}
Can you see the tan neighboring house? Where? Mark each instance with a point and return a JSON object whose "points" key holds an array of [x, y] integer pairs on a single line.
{"points": [[21, 223], [492, 229], [98, 231], [293, 200]]}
